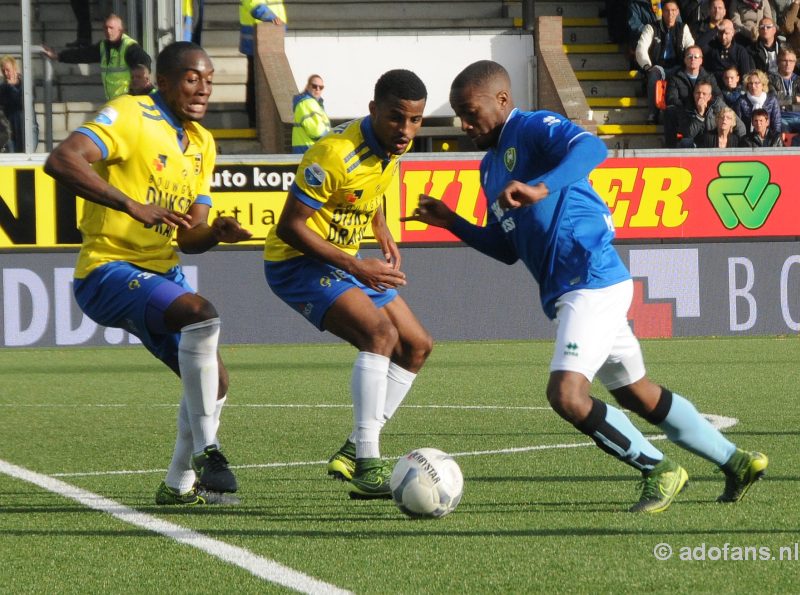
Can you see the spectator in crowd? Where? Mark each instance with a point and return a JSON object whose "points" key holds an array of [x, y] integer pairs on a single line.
{"points": [[724, 52], [761, 135], [641, 13], [724, 135], [117, 54], [83, 15], [790, 26], [757, 95], [746, 15], [731, 86], [702, 117], [659, 51], [706, 30], [252, 12], [13, 106], [693, 13], [765, 49], [141, 84], [310, 120], [680, 91], [786, 86]]}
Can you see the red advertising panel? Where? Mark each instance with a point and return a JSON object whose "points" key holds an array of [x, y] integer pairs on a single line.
{"points": [[683, 197]]}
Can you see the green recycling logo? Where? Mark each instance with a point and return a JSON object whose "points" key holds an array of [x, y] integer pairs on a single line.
{"points": [[743, 194]]}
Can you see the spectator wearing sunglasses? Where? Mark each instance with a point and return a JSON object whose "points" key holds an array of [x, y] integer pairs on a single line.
{"points": [[766, 48], [310, 120], [746, 16]]}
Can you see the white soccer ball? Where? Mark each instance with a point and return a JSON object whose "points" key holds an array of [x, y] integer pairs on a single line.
{"points": [[426, 483]]}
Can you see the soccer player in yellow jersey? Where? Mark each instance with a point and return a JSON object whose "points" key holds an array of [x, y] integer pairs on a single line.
{"points": [[143, 166], [312, 264]]}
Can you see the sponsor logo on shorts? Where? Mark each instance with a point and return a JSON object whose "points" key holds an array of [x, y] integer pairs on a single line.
{"points": [[306, 310], [571, 349], [133, 284]]}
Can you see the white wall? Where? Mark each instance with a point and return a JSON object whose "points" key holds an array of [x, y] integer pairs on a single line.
{"points": [[351, 63]]}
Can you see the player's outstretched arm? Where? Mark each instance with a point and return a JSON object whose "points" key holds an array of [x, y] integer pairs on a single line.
{"points": [[201, 236], [70, 164], [489, 240], [293, 230]]}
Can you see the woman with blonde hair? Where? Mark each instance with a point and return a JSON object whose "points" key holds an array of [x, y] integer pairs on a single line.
{"points": [[11, 104], [758, 96], [724, 137]]}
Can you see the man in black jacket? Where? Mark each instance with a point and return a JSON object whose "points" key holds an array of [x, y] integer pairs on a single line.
{"points": [[680, 91], [724, 52]]}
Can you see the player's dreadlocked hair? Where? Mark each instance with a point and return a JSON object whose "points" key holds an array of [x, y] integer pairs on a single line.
{"points": [[478, 73], [401, 84], [171, 57]]}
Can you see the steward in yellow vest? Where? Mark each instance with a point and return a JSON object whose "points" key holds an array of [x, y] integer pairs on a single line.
{"points": [[117, 54]]}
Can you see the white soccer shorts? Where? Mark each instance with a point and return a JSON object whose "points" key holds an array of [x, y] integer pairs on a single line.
{"points": [[594, 337]]}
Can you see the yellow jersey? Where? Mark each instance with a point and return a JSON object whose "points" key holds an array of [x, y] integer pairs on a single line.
{"points": [[343, 177], [139, 139]]}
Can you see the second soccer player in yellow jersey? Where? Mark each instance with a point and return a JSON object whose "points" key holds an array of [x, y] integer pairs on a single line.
{"points": [[312, 263]]}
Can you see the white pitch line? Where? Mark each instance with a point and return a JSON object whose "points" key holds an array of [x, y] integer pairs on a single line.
{"points": [[276, 406], [263, 568], [718, 421]]}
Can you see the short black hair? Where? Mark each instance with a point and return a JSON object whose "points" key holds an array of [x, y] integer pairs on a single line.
{"points": [[400, 84], [478, 73], [170, 60]]}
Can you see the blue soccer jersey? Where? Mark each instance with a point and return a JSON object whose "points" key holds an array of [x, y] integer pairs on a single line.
{"points": [[565, 239]]}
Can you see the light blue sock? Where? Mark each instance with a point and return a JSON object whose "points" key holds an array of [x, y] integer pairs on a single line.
{"points": [[687, 428], [614, 433]]}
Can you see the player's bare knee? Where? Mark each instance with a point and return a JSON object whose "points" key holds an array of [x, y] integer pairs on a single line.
{"points": [[383, 337]]}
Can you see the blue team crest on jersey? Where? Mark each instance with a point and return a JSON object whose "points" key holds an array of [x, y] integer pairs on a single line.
{"points": [[510, 158], [314, 175], [107, 116]]}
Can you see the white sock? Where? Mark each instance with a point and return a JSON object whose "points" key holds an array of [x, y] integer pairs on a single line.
{"points": [[180, 475], [399, 381], [217, 414], [197, 359], [368, 386]]}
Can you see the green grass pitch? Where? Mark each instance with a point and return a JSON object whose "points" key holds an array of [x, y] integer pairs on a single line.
{"points": [[546, 520]]}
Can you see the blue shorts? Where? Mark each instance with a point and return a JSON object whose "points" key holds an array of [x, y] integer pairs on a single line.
{"points": [[311, 287], [119, 294]]}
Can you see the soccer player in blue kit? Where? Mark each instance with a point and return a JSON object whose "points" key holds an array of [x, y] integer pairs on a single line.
{"points": [[542, 210]]}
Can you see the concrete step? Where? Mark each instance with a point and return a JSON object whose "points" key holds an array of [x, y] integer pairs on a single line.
{"points": [[612, 88], [585, 35], [634, 141], [622, 102], [629, 115], [609, 61], [581, 9]]}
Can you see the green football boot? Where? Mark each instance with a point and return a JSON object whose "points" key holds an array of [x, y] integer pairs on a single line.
{"points": [[166, 495], [660, 486], [741, 471], [371, 480], [342, 465]]}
